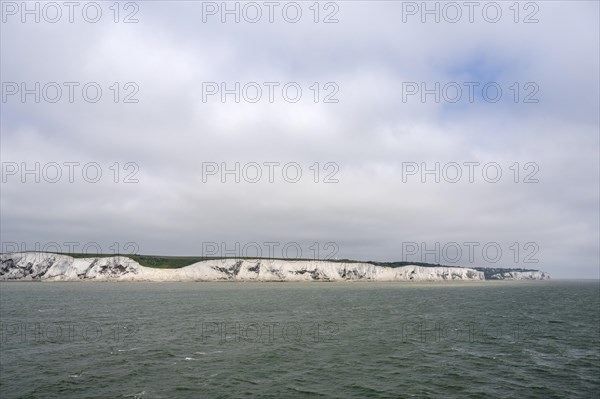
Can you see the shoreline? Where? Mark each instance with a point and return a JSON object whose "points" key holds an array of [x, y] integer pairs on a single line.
{"points": [[35, 266]]}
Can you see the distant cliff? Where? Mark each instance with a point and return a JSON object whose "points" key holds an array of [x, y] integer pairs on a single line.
{"points": [[55, 267], [512, 274], [528, 275], [47, 266]]}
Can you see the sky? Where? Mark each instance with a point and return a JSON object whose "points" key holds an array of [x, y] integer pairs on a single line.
{"points": [[437, 132]]}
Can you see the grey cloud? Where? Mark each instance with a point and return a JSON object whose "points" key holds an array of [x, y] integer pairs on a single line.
{"points": [[369, 133]]}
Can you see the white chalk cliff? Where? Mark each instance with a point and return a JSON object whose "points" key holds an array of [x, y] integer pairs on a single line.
{"points": [[53, 267], [525, 275]]}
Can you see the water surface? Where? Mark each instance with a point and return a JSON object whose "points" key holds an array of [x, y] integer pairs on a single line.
{"points": [[276, 340]]}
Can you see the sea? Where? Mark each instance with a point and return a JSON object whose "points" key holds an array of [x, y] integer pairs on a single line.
{"points": [[504, 339]]}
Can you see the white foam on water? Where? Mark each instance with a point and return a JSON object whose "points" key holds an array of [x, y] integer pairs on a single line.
{"points": [[135, 395], [127, 350]]}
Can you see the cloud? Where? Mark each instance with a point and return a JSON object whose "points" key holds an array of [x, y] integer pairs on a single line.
{"points": [[370, 137]]}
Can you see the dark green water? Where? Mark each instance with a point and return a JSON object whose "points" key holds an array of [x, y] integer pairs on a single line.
{"points": [[278, 340]]}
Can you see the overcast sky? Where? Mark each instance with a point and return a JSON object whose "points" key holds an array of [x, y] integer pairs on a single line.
{"points": [[375, 126]]}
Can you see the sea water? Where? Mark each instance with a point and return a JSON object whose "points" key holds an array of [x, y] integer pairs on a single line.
{"points": [[277, 340]]}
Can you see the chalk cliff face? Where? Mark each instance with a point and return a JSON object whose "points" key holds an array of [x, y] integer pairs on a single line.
{"points": [[53, 267], [529, 275]]}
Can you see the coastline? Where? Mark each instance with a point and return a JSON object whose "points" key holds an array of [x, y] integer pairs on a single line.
{"points": [[36, 266]]}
